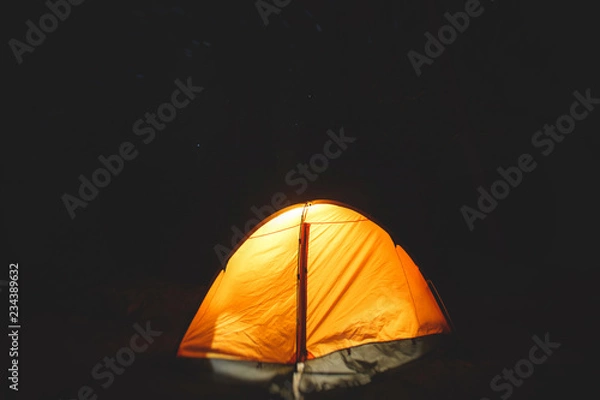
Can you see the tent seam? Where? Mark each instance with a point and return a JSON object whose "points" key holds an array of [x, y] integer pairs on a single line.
{"points": [[409, 289], [339, 222], [253, 236]]}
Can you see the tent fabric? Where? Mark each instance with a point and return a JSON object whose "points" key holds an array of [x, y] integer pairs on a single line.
{"points": [[361, 289]]}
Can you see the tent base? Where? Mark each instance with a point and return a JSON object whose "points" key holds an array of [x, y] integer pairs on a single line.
{"points": [[342, 369]]}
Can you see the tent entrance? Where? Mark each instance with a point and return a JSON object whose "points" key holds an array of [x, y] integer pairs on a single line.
{"points": [[302, 276], [301, 352]]}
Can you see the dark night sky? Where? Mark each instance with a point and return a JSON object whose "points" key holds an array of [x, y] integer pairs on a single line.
{"points": [[424, 144]]}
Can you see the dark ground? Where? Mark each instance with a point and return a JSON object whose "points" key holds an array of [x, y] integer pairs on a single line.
{"points": [[143, 249]]}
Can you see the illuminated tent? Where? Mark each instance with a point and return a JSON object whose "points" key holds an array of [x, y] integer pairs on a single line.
{"points": [[316, 297]]}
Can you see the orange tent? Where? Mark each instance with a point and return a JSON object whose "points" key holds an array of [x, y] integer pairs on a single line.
{"points": [[320, 291]]}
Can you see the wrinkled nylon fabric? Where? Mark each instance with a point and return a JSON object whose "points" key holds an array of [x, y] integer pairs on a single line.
{"points": [[361, 289]]}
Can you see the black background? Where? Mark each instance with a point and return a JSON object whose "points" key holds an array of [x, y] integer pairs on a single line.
{"points": [[423, 146]]}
